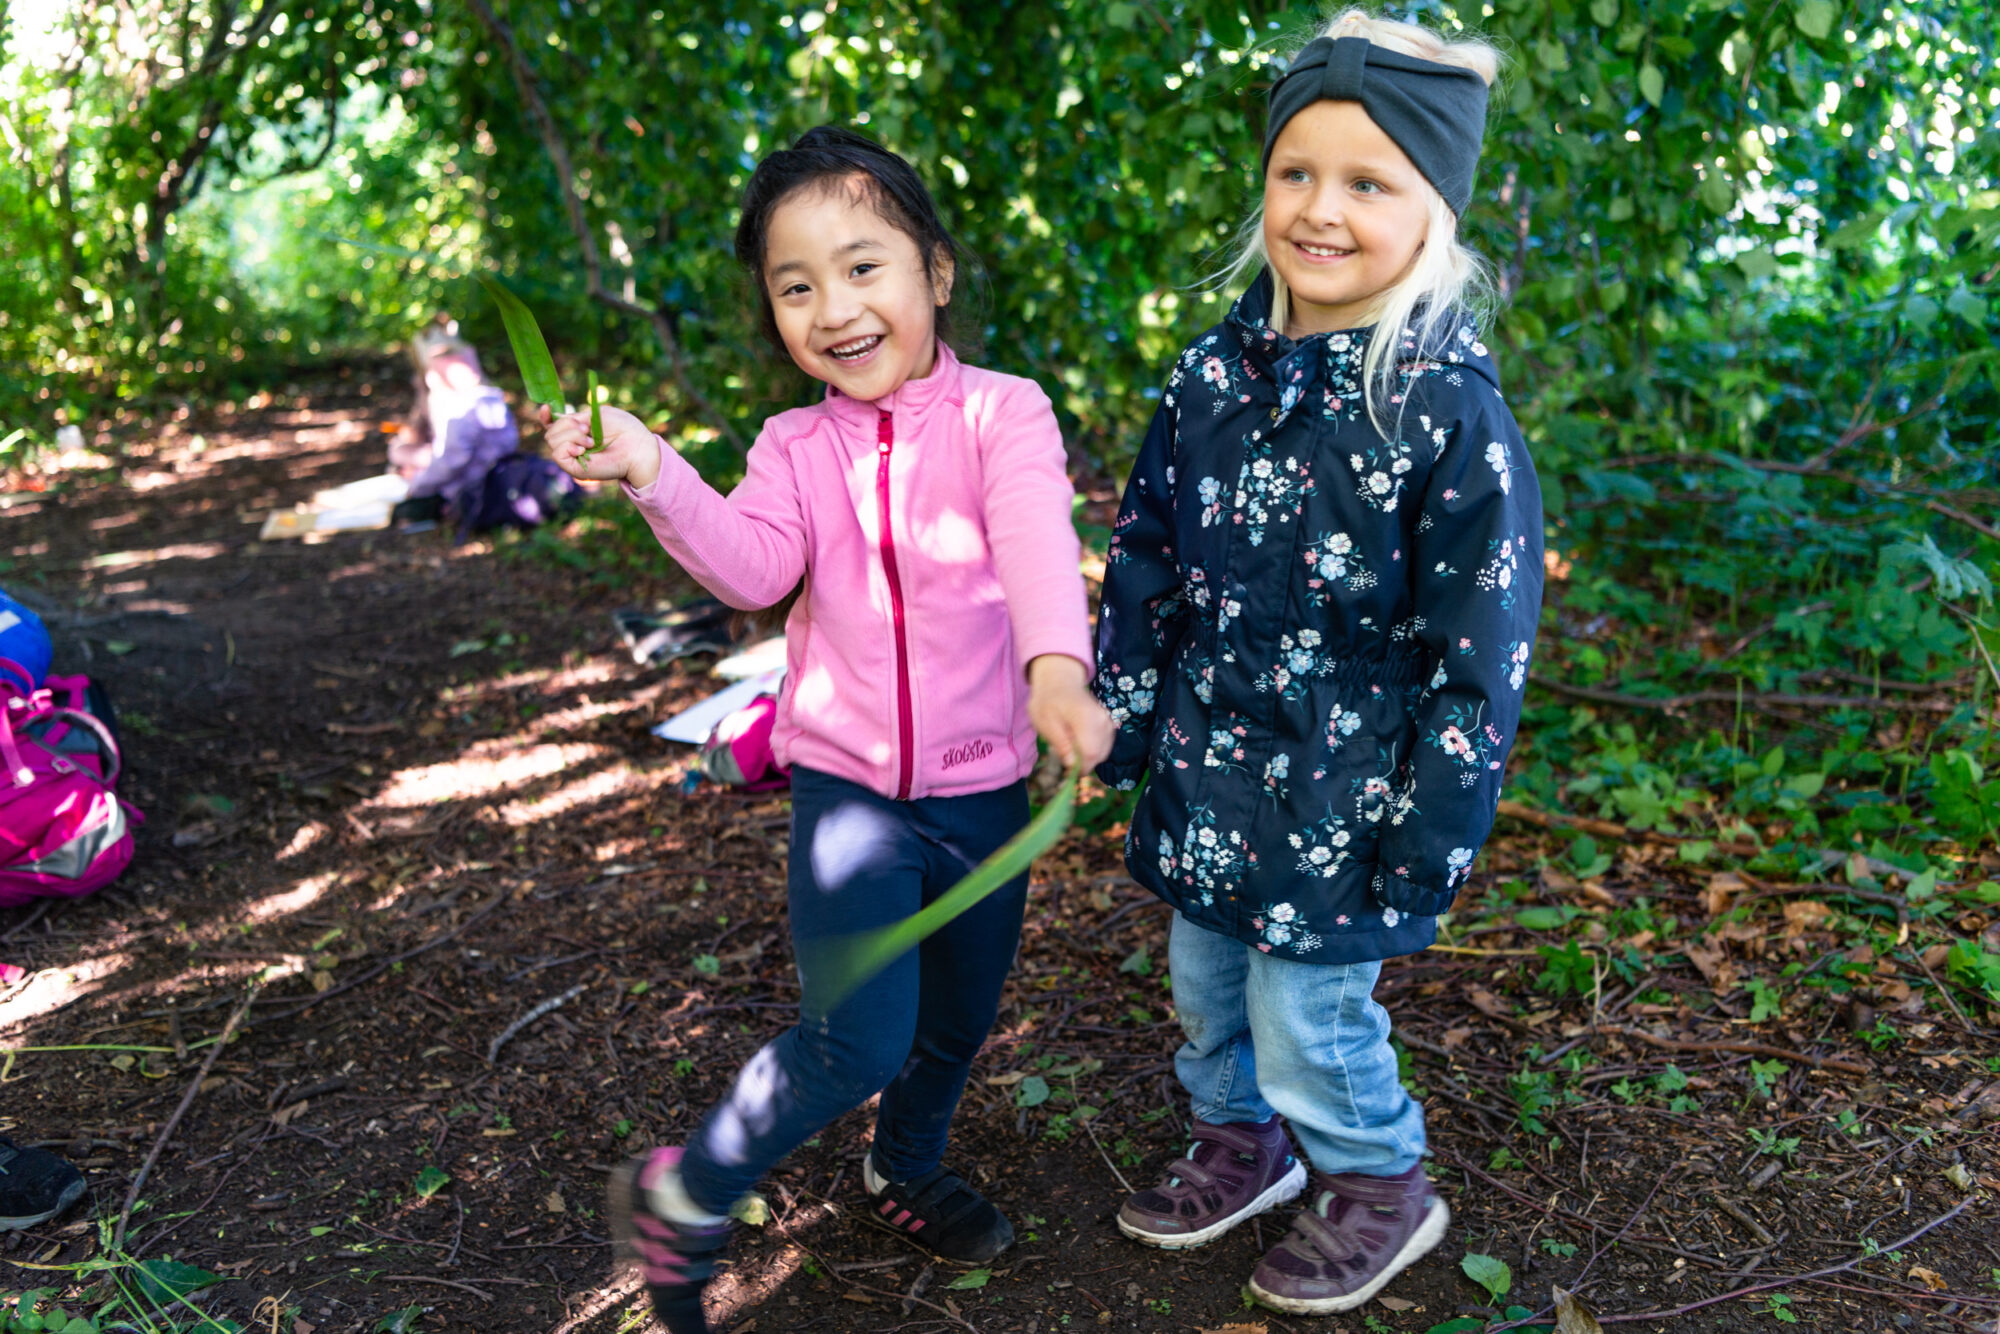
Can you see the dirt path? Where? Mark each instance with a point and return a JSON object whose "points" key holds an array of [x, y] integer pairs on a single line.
{"points": [[410, 788]]}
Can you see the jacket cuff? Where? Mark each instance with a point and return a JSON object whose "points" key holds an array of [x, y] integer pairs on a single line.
{"points": [[1121, 775], [1413, 900], [660, 491]]}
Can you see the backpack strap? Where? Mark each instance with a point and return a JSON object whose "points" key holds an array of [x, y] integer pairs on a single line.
{"points": [[18, 772], [10, 672], [107, 746]]}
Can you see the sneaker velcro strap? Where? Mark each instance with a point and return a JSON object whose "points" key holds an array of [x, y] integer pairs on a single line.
{"points": [[929, 1197], [1191, 1173]]}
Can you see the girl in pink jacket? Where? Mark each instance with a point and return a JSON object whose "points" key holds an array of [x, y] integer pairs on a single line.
{"points": [[925, 508]]}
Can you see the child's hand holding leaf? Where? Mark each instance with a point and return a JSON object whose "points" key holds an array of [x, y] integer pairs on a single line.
{"points": [[630, 452]]}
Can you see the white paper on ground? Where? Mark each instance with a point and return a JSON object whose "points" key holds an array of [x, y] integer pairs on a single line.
{"points": [[369, 491], [756, 660], [694, 724]]}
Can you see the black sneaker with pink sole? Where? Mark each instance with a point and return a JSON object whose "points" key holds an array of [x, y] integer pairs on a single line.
{"points": [[1231, 1173], [939, 1211]]}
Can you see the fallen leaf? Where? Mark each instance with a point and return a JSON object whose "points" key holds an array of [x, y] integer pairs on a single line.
{"points": [[283, 1116], [1721, 890], [1008, 1080], [554, 1203], [1240, 1327], [1454, 1037], [1713, 963], [753, 1209], [1595, 892], [1930, 1278], [1803, 915], [978, 1278], [1395, 1303], [1958, 1176], [1571, 1317]]}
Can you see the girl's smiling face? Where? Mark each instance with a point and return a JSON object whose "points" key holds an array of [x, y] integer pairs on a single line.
{"points": [[1345, 212], [853, 299]]}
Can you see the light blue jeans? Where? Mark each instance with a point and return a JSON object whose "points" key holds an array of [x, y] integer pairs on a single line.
{"points": [[1305, 1040]]}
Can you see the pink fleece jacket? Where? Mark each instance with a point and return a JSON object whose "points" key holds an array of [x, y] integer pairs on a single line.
{"points": [[933, 530]]}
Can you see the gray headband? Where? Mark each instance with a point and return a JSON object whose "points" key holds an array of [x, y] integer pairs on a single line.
{"points": [[1435, 113]]}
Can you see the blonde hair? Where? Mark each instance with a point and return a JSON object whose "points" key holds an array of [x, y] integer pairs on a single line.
{"points": [[1445, 277]]}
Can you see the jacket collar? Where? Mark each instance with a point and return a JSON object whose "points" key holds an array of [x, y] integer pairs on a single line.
{"points": [[913, 400], [1250, 318]]}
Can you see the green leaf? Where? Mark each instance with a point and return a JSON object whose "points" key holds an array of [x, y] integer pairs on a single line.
{"points": [[1489, 1273], [1033, 1092], [1652, 84], [1463, 1324], [1814, 17], [596, 413], [708, 965], [164, 1280], [1717, 193], [845, 962], [1805, 786], [118, 648], [1138, 961], [1757, 264], [531, 353], [1855, 231], [978, 1278], [1620, 209], [1540, 919], [1604, 13], [432, 1180], [401, 1322], [753, 1210]]}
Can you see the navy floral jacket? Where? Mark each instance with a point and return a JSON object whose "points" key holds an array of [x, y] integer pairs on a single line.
{"points": [[1314, 639]]}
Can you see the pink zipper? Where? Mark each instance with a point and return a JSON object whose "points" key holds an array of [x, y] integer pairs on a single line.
{"points": [[885, 440]]}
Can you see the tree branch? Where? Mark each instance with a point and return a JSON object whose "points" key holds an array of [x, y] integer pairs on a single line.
{"points": [[586, 239]]}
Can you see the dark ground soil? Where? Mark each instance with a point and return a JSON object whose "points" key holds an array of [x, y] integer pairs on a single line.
{"points": [[412, 787]]}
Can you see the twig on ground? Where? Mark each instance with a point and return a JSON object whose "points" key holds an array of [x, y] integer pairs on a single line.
{"points": [[1749, 1048], [1753, 1289], [552, 1003], [1088, 1130], [174, 1121], [827, 1265], [441, 1282]]}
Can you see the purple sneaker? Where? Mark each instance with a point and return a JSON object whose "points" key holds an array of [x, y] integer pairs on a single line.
{"points": [[676, 1259], [1357, 1234], [1231, 1172]]}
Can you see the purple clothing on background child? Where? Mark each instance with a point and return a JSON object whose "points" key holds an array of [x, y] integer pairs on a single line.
{"points": [[470, 433]]}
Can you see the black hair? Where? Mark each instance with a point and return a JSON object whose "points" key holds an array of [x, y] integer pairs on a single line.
{"points": [[824, 158]]}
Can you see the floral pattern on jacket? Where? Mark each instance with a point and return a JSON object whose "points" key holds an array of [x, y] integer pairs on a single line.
{"points": [[1315, 640]]}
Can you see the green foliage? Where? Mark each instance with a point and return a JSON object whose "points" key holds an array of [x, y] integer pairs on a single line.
{"points": [[1489, 1273], [1745, 252]]}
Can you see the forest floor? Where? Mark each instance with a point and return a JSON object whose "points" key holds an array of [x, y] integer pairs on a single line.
{"points": [[410, 790]]}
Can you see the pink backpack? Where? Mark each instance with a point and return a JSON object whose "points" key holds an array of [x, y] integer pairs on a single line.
{"points": [[738, 751], [63, 831]]}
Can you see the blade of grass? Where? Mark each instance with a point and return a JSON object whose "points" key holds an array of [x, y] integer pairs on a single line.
{"points": [[846, 962], [596, 415], [531, 352]]}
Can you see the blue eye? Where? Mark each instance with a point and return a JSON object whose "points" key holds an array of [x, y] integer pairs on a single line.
{"points": [[1296, 175], [1368, 187]]}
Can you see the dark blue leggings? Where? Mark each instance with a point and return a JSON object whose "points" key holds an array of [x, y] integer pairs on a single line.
{"points": [[858, 861]]}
